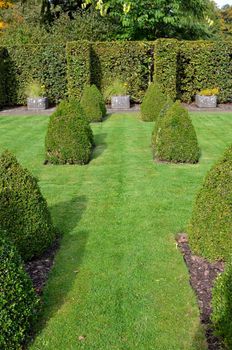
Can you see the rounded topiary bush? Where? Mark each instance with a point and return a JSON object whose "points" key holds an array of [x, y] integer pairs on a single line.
{"points": [[69, 138], [91, 104], [100, 99], [210, 230], [153, 102], [18, 301], [222, 306], [175, 138], [24, 213]]}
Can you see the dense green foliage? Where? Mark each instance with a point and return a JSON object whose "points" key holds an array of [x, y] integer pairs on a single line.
{"points": [[165, 65], [222, 306], [69, 137], [153, 102], [78, 67], [210, 227], [152, 19], [24, 214], [18, 301], [99, 97], [202, 65], [175, 138], [102, 63], [91, 104], [3, 76]]}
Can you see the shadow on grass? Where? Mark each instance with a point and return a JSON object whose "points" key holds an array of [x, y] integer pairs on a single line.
{"points": [[100, 145], [199, 340], [68, 260]]}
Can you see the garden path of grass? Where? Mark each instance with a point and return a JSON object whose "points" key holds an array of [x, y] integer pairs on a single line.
{"points": [[119, 280]]}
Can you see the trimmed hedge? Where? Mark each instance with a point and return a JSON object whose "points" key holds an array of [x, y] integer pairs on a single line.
{"points": [[222, 306], [153, 102], [165, 65], [78, 67], [97, 94], [24, 213], [101, 63], [18, 301], [69, 138], [3, 76], [45, 63], [175, 138], [91, 104], [203, 64], [210, 228]]}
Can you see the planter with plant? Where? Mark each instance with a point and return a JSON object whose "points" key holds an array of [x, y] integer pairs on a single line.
{"points": [[207, 98], [36, 99], [117, 94]]}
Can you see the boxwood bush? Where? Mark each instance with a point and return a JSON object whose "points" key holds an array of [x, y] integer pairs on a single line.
{"points": [[99, 97], [153, 102], [69, 138], [91, 104], [24, 213], [175, 138], [18, 301], [210, 232], [222, 306]]}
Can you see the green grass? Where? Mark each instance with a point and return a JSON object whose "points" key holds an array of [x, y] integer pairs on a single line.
{"points": [[119, 279]]}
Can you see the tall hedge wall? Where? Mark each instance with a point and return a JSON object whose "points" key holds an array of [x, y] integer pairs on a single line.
{"points": [[128, 61], [165, 65], [45, 63], [3, 74], [101, 62], [182, 68], [203, 64], [78, 67]]}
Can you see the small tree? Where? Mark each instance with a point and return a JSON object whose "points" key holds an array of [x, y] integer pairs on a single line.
{"points": [[153, 103], [210, 232], [91, 104], [175, 138], [24, 213], [69, 138], [18, 301]]}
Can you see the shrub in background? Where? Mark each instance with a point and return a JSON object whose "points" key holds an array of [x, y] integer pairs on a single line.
{"points": [[91, 105], [222, 306], [69, 138], [18, 301], [210, 232], [175, 138], [153, 102], [24, 213], [99, 97]]}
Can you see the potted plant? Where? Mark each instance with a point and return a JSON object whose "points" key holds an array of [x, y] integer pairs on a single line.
{"points": [[117, 93], [207, 98], [35, 96]]}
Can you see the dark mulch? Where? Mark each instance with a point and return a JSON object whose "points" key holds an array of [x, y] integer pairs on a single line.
{"points": [[39, 268], [202, 277]]}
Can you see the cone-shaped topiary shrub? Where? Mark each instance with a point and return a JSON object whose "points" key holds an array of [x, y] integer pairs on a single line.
{"points": [[18, 301], [91, 104], [24, 213], [168, 104], [100, 99], [69, 138], [210, 231], [175, 138], [222, 306], [153, 102]]}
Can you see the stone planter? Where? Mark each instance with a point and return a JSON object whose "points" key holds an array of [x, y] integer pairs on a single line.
{"points": [[120, 102], [206, 101], [37, 103]]}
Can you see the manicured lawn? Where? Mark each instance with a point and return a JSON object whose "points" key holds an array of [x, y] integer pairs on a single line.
{"points": [[119, 280]]}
